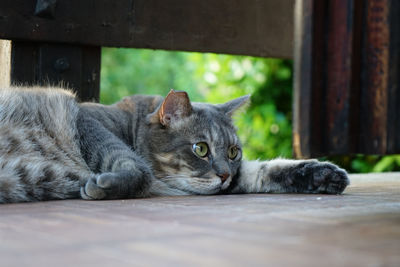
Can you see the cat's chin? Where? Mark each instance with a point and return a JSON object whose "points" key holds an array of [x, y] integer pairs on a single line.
{"points": [[183, 185]]}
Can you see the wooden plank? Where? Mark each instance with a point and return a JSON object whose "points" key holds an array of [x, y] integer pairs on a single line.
{"points": [[302, 94], [318, 71], [24, 63], [251, 27], [75, 67], [5, 61], [355, 89], [346, 80], [393, 122], [358, 228], [90, 79], [323, 77], [338, 68], [374, 82]]}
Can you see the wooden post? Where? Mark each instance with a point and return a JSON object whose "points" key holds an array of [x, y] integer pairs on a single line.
{"points": [[5, 61], [75, 67], [323, 79], [302, 79], [393, 113], [346, 77]]}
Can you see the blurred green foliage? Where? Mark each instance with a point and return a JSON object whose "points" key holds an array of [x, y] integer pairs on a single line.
{"points": [[264, 128]]}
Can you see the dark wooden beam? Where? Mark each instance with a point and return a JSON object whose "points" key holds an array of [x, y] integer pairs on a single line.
{"points": [[250, 27]]}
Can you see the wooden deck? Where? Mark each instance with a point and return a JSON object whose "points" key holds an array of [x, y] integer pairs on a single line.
{"points": [[359, 228]]}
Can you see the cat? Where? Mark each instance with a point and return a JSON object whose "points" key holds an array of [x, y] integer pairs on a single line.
{"points": [[53, 147]]}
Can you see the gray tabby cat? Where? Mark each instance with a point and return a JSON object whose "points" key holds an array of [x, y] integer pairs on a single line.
{"points": [[51, 147]]}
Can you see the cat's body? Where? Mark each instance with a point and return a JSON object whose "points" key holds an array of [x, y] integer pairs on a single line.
{"points": [[51, 147]]}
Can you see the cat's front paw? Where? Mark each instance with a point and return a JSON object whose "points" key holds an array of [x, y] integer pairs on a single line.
{"points": [[117, 185], [94, 190], [320, 177]]}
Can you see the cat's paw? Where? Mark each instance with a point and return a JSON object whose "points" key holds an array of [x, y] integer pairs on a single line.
{"points": [[117, 185], [319, 177], [93, 190]]}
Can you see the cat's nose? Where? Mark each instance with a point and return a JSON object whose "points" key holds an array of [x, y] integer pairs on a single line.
{"points": [[223, 176]]}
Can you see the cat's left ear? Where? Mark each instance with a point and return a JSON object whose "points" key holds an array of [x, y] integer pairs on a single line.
{"points": [[229, 108], [175, 107]]}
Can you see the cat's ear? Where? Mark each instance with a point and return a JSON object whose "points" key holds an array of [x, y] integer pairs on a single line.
{"points": [[230, 107], [175, 107]]}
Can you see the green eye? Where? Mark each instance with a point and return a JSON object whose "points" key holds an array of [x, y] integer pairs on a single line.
{"points": [[233, 151], [200, 149]]}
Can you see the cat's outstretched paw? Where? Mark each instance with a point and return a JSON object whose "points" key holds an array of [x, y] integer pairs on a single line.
{"points": [[291, 176], [319, 177]]}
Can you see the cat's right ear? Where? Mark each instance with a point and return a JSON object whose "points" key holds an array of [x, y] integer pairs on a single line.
{"points": [[175, 107], [229, 108]]}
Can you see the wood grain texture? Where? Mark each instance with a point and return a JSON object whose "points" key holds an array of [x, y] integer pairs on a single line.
{"points": [[251, 27], [374, 83], [347, 73], [393, 122], [327, 67], [359, 228], [338, 75], [318, 108], [303, 79]]}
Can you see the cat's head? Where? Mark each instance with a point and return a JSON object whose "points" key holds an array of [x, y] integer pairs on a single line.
{"points": [[194, 146]]}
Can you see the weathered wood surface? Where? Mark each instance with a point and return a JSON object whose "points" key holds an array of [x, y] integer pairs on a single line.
{"points": [[250, 27], [374, 83], [359, 228], [346, 77]]}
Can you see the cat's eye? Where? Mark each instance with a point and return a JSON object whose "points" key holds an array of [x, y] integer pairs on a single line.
{"points": [[233, 151], [200, 149]]}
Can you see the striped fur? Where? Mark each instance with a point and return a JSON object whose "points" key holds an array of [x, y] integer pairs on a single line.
{"points": [[52, 147], [39, 157]]}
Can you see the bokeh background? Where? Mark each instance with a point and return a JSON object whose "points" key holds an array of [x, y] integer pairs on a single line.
{"points": [[265, 128]]}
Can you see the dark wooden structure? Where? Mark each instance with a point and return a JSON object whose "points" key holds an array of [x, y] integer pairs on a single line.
{"points": [[347, 97], [346, 54], [60, 40]]}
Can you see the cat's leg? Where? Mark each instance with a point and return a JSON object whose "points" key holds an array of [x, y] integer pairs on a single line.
{"points": [[290, 176], [121, 173]]}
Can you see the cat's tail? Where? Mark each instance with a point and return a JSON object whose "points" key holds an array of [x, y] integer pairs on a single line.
{"points": [[10, 188]]}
